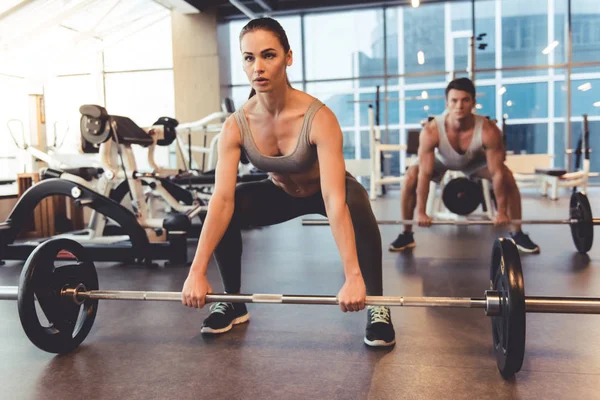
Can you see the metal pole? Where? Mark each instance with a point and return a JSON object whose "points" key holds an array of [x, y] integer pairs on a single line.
{"points": [[569, 48], [319, 221], [536, 304], [454, 302], [9, 292], [563, 305], [472, 63]]}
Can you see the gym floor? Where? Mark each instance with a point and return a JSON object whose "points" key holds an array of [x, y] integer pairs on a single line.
{"points": [[142, 350]]}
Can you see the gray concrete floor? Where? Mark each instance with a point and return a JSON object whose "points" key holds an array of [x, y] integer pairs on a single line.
{"points": [[143, 350]]}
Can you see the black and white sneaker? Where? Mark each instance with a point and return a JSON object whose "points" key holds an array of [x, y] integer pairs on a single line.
{"points": [[404, 241], [380, 331], [223, 316], [524, 243]]}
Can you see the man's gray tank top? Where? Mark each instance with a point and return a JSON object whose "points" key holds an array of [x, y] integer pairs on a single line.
{"points": [[301, 159], [450, 157]]}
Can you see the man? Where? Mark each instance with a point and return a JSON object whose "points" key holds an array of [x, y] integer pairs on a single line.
{"points": [[463, 141]]}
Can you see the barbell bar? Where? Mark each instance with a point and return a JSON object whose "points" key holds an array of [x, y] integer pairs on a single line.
{"points": [[490, 301], [596, 221]]}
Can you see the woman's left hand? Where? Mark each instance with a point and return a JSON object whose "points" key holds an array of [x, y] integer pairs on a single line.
{"points": [[352, 295]]}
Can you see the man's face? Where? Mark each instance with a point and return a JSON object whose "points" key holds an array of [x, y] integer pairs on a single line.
{"points": [[459, 103]]}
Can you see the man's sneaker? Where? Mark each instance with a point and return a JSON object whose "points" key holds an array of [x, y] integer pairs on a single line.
{"points": [[524, 243], [223, 316], [404, 241], [380, 331]]}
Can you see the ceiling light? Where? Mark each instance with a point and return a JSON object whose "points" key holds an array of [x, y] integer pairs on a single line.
{"points": [[550, 47]]}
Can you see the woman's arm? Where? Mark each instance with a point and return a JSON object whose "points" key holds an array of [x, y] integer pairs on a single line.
{"points": [[222, 202], [327, 135]]}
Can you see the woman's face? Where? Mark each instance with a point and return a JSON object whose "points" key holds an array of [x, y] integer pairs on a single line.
{"points": [[264, 60]]}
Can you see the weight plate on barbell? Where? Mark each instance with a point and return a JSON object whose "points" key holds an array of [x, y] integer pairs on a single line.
{"points": [[583, 231], [508, 328], [462, 196], [42, 279]]}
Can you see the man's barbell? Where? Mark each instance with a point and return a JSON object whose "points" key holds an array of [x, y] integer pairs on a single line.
{"points": [[580, 220]]}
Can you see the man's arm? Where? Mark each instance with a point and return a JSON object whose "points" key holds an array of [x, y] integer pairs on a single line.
{"points": [[427, 143], [495, 155]]}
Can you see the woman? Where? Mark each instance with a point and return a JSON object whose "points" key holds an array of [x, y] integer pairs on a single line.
{"points": [[297, 140]]}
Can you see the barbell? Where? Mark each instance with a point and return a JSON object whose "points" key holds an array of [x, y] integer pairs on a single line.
{"points": [[69, 294], [580, 220]]}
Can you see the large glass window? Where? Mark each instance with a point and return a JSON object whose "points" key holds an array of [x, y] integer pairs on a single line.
{"points": [[524, 36], [525, 100], [13, 106], [131, 95], [585, 96], [344, 45], [576, 131], [63, 97], [420, 104], [338, 97], [150, 48], [586, 30], [486, 101], [526, 138], [424, 45]]}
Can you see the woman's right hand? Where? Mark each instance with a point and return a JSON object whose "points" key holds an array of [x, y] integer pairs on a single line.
{"points": [[194, 291], [423, 220]]}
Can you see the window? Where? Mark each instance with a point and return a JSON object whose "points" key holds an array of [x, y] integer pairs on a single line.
{"points": [[527, 138], [424, 45], [13, 105], [576, 132], [524, 36], [485, 28], [239, 95], [144, 97], [150, 48], [349, 147], [335, 95], [420, 107], [584, 94], [486, 101], [525, 100], [344, 45], [586, 30], [63, 98]]}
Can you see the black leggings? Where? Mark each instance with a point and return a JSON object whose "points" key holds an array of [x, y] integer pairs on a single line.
{"points": [[263, 203]]}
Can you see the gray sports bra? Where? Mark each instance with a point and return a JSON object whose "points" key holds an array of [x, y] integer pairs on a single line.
{"points": [[301, 159]]}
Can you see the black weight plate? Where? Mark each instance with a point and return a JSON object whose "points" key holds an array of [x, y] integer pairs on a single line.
{"points": [[94, 130], [41, 279], [583, 231], [462, 196], [508, 328]]}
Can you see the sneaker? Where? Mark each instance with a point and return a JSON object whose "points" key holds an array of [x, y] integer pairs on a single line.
{"points": [[223, 316], [380, 331], [524, 243], [404, 241]]}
